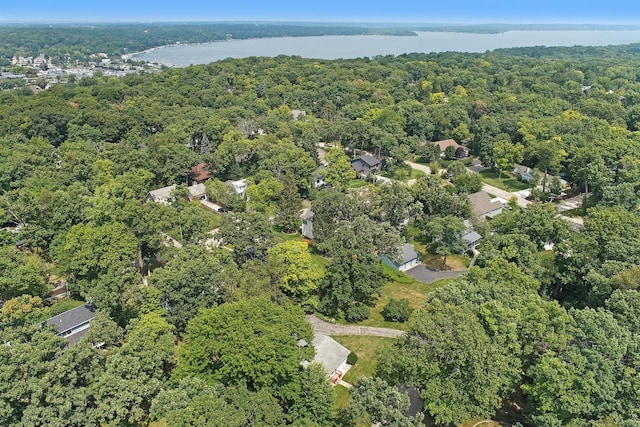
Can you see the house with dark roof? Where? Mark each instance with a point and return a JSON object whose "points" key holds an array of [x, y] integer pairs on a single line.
{"points": [[409, 258], [484, 206], [366, 165], [73, 324], [199, 173]]}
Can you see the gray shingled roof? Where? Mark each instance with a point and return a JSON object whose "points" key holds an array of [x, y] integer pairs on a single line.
{"points": [[409, 253], [72, 318], [370, 160], [162, 193], [329, 352], [482, 203]]}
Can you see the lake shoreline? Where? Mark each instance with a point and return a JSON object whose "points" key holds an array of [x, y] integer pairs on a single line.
{"points": [[329, 47]]}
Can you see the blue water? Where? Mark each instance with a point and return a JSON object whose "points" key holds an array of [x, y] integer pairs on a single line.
{"points": [[334, 47]]}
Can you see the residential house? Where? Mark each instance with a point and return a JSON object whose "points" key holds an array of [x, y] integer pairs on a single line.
{"points": [[523, 173], [366, 165], [318, 177], [484, 206], [165, 195], [307, 223], [161, 195], [73, 324], [197, 192], [298, 114], [332, 356], [199, 173], [239, 186], [409, 258], [470, 236], [461, 151]]}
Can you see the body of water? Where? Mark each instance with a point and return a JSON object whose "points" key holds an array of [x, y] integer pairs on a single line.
{"points": [[334, 47]]}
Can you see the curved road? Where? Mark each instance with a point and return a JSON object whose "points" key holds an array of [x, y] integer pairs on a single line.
{"points": [[325, 328]]}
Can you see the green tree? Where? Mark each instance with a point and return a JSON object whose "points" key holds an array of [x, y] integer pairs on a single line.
{"points": [[251, 343], [293, 269], [249, 234], [445, 232], [99, 260], [289, 205], [373, 401], [505, 154], [461, 372], [195, 278], [20, 274], [339, 171]]}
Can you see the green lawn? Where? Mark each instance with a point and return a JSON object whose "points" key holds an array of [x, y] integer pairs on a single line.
{"points": [[214, 218], [399, 286], [342, 397], [403, 173], [366, 348], [506, 182], [357, 183]]}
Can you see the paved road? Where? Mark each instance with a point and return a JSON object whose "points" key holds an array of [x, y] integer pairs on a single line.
{"points": [[326, 328]]}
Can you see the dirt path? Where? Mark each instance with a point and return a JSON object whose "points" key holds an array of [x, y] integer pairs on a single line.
{"points": [[326, 328]]}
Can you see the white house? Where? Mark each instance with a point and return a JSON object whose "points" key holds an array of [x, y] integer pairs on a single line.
{"points": [[239, 186]]}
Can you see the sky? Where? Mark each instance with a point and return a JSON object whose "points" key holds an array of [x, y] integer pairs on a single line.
{"points": [[409, 11]]}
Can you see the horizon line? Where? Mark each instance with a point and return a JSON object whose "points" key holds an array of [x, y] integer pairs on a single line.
{"points": [[307, 22]]}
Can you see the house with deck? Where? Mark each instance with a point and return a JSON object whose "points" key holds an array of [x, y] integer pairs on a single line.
{"points": [[73, 324]]}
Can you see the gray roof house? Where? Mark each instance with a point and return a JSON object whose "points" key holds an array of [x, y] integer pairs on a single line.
{"points": [[485, 207], [331, 354], [161, 195], [73, 324], [164, 195], [307, 223], [523, 173], [366, 165], [470, 236], [409, 258]]}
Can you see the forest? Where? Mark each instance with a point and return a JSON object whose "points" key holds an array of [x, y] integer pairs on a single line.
{"points": [[545, 326]]}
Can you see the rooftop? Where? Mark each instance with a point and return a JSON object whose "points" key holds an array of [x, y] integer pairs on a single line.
{"points": [[69, 319], [483, 204], [329, 352]]}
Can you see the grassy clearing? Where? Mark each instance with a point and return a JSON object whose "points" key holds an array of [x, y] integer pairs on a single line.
{"points": [[341, 398], [454, 262], [366, 348], [506, 182], [403, 173], [214, 218], [357, 183]]}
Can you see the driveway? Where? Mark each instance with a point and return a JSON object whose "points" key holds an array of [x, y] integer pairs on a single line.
{"points": [[504, 194], [325, 328], [417, 166], [425, 275]]}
